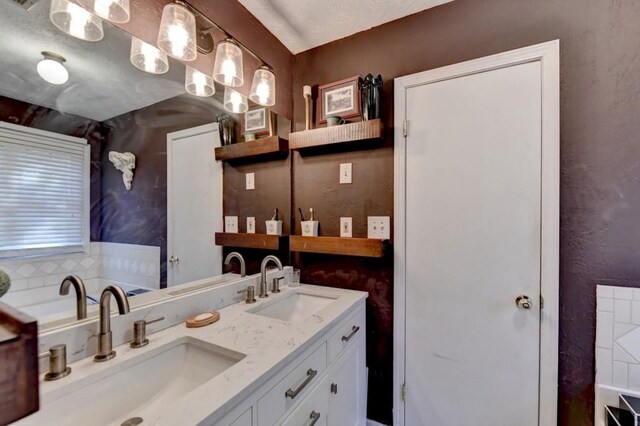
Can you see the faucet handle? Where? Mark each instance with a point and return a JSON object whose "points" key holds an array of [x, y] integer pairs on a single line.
{"points": [[275, 285], [57, 363], [140, 332], [251, 294]]}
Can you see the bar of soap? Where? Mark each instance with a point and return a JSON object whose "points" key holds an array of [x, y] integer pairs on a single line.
{"points": [[203, 319]]}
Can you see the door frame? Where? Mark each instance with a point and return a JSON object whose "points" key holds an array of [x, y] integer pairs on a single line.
{"points": [[172, 138], [548, 54]]}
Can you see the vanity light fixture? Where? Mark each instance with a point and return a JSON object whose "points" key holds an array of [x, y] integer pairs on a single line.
{"points": [[177, 36], [234, 101], [77, 22], [198, 83], [148, 58], [263, 88], [51, 68], [227, 68], [112, 10]]}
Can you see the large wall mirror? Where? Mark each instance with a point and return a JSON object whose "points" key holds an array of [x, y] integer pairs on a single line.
{"points": [[73, 201]]}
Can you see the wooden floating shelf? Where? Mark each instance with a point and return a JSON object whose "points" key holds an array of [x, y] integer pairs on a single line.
{"points": [[257, 148], [362, 130], [257, 241], [364, 247]]}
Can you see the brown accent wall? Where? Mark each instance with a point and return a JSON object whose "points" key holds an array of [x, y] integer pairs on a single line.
{"points": [[28, 115], [600, 159]]}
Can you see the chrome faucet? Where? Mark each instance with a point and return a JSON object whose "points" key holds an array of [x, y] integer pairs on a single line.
{"points": [[105, 343], [227, 261], [81, 293], [262, 289]]}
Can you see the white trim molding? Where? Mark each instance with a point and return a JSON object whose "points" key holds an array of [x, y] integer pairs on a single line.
{"points": [[548, 54]]}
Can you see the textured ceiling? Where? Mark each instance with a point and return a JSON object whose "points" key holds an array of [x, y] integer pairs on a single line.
{"points": [[102, 82], [304, 24]]}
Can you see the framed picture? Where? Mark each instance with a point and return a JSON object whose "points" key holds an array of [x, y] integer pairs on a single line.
{"points": [[258, 121], [341, 98]]}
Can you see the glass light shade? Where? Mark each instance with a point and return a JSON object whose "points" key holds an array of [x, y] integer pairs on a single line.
{"points": [[75, 21], [227, 68], [112, 10], [148, 58], [197, 83], [234, 101], [52, 70], [177, 36], [263, 88]]}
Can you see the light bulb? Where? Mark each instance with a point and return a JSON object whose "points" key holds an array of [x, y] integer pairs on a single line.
{"points": [[197, 83], [229, 71], [177, 35], [79, 19], [262, 91], [51, 68], [179, 39], [227, 68], [234, 101], [263, 87], [101, 7]]}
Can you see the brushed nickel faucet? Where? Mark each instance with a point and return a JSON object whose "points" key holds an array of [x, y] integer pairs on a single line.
{"points": [[81, 293], [105, 343], [227, 261], [262, 289]]}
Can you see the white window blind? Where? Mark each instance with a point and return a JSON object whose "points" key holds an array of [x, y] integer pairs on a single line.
{"points": [[44, 192]]}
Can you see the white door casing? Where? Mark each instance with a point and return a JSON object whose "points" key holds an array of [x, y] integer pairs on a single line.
{"points": [[541, 61], [194, 204]]}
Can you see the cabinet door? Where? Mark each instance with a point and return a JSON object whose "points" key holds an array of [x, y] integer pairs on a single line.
{"points": [[348, 387]]}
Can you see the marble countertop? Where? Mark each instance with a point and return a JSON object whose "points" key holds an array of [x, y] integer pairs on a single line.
{"points": [[269, 344]]}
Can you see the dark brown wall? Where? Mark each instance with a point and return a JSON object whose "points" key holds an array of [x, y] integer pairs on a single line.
{"points": [[24, 114], [600, 153], [139, 216]]}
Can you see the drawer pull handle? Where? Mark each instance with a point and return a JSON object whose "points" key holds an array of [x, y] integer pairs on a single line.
{"points": [[354, 330], [315, 417], [311, 373]]}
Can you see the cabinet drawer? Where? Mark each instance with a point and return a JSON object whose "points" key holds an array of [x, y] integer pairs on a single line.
{"points": [[293, 388], [347, 332], [313, 410]]}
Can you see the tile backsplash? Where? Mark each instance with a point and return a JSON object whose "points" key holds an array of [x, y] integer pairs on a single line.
{"points": [[132, 264], [618, 337]]}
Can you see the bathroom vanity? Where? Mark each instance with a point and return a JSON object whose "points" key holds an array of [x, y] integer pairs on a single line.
{"points": [[293, 358]]}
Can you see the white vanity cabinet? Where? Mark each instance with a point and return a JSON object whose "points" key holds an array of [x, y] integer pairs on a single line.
{"points": [[323, 386]]}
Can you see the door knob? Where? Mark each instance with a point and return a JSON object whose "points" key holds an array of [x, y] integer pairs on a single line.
{"points": [[174, 259], [523, 302]]}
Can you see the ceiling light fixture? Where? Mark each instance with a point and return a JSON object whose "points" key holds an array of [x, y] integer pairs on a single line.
{"points": [[234, 101], [112, 10], [148, 58], [177, 36], [72, 19], [263, 88], [198, 84], [227, 68], [51, 68]]}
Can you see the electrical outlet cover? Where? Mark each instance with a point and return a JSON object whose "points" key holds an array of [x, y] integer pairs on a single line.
{"points": [[346, 227], [379, 227], [345, 173], [231, 224], [251, 225], [250, 181]]}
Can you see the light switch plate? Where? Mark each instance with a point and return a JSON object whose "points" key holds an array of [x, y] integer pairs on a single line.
{"points": [[379, 227], [231, 224], [251, 225], [250, 181], [346, 227], [345, 173]]}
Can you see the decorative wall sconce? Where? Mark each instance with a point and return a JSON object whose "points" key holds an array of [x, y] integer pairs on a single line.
{"points": [[263, 87], [198, 84], [125, 162], [77, 22], [148, 58], [177, 35], [234, 101], [228, 69], [112, 10]]}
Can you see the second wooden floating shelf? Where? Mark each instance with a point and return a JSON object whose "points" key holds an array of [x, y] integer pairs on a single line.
{"points": [[359, 131], [257, 148], [257, 241], [363, 247]]}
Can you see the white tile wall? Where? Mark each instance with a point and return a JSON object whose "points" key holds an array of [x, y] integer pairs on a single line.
{"points": [[618, 337], [132, 264]]}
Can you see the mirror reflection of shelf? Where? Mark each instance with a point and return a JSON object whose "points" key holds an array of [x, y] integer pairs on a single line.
{"points": [[257, 148], [257, 241], [351, 132], [363, 247]]}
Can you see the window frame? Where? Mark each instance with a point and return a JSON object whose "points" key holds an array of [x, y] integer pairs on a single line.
{"points": [[13, 132]]}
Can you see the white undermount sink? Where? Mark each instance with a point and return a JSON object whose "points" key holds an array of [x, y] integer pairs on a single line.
{"points": [[140, 390], [292, 307]]}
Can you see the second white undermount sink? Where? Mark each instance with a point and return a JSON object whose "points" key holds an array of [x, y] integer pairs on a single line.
{"points": [[293, 306], [142, 390]]}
